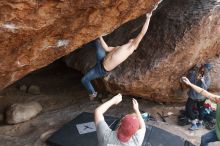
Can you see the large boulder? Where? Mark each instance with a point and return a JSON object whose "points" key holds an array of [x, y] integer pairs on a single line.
{"points": [[215, 74], [19, 112], [181, 34], [34, 33]]}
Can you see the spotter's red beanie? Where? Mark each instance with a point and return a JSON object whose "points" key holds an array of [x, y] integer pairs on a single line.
{"points": [[128, 127]]}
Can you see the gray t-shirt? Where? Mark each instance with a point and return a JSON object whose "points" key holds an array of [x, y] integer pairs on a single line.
{"points": [[107, 137]]}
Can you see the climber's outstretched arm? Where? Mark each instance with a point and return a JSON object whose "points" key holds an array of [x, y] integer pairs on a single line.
{"points": [[138, 39], [105, 46], [146, 25]]}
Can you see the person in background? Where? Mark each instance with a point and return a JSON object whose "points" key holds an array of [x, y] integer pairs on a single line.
{"points": [[195, 103], [131, 130], [213, 135]]}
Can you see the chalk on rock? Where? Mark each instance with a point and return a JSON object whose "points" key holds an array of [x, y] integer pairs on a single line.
{"points": [[170, 113], [33, 89], [18, 113]]}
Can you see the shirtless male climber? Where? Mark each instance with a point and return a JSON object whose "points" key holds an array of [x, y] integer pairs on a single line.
{"points": [[106, 63]]}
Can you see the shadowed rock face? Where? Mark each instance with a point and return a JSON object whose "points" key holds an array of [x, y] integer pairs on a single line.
{"points": [[181, 34], [35, 33]]}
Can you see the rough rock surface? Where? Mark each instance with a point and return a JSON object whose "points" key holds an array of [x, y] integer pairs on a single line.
{"points": [[34, 33], [215, 74], [181, 34], [18, 113]]}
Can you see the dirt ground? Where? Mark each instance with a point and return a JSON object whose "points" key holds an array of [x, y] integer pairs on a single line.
{"points": [[63, 98]]}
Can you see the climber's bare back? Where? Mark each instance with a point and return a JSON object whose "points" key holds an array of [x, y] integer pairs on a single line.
{"points": [[118, 55]]}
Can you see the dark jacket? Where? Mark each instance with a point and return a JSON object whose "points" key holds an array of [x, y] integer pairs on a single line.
{"points": [[193, 79]]}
